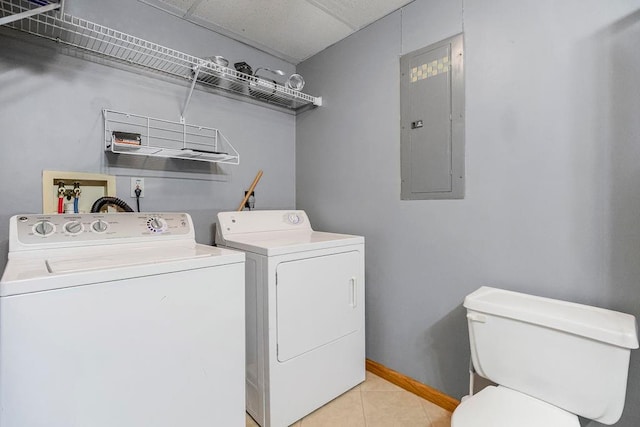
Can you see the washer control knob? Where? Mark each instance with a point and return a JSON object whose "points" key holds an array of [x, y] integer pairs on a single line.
{"points": [[100, 226], [156, 225], [73, 227], [43, 228]]}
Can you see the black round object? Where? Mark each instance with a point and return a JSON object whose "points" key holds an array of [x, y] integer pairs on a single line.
{"points": [[98, 204]]}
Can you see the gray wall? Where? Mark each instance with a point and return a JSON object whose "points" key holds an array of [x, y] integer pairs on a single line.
{"points": [[552, 205], [50, 116]]}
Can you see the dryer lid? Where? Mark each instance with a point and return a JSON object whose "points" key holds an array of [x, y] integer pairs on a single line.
{"points": [[503, 407], [275, 233], [286, 242]]}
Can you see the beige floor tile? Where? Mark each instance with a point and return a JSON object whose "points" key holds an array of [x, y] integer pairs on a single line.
{"points": [[375, 403], [438, 416], [375, 383], [344, 411], [393, 409]]}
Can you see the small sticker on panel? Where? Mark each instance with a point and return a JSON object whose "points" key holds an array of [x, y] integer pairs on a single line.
{"points": [[430, 69]]}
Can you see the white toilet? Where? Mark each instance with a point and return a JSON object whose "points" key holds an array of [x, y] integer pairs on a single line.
{"points": [[553, 360]]}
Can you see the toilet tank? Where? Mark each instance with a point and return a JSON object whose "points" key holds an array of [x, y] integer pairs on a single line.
{"points": [[570, 355]]}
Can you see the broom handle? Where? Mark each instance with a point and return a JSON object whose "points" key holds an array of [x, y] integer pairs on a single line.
{"points": [[253, 186]]}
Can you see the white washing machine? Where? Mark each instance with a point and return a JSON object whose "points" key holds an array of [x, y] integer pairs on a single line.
{"points": [[305, 312], [120, 320]]}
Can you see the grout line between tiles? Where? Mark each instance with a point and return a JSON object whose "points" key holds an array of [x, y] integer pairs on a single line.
{"points": [[364, 416]]}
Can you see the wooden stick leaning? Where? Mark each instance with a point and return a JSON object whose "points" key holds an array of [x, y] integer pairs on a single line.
{"points": [[253, 186]]}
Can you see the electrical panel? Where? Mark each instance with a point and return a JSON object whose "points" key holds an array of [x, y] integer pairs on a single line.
{"points": [[432, 121]]}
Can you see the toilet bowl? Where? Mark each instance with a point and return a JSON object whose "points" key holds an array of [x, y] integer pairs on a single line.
{"points": [[552, 360], [502, 407]]}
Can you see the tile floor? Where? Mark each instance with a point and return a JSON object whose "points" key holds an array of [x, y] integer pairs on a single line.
{"points": [[375, 403]]}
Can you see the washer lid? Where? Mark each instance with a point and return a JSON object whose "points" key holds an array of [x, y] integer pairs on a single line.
{"points": [[503, 407], [64, 268], [285, 242], [596, 323]]}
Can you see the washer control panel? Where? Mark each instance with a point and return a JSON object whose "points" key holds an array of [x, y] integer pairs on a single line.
{"points": [[94, 227]]}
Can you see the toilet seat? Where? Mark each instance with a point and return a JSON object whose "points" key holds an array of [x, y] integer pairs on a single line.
{"points": [[503, 407]]}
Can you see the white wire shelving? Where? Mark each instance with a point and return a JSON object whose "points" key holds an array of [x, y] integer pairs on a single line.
{"points": [[106, 42], [163, 138], [35, 7]]}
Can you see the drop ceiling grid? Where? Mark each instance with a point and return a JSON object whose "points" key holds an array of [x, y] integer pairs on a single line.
{"points": [[359, 13], [291, 29], [182, 5], [295, 28]]}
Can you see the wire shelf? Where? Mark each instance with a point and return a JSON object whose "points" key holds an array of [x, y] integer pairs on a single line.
{"points": [[106, 42], [146, 136], [30, 8]]}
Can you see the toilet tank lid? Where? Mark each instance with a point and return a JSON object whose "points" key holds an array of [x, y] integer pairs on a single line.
{"points": [[596, 323]]}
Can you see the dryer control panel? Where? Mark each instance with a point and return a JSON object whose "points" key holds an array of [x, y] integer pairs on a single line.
{"points": [[53, 230], [261, 221]]}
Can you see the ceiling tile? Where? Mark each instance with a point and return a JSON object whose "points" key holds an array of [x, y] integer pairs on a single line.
{"points": [[294, 28], [359, 13], [181, 5]]}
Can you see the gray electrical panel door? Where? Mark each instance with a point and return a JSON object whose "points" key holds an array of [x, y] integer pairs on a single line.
{"points": [[432, 121]]}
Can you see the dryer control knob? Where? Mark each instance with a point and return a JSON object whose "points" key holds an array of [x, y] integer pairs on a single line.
{"points": [[294, 218], [43, 228]]}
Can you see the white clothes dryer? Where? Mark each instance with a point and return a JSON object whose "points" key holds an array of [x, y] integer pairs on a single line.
{"points": [[305, 312], [120, 320]]}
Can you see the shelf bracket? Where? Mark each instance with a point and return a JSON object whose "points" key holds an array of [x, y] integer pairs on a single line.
{"points": [[196, 71], [28, 13]]}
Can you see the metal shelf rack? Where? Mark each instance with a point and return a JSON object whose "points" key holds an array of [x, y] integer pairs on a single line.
{"points": [[106, 42], [16, 12], [164, 138]]}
